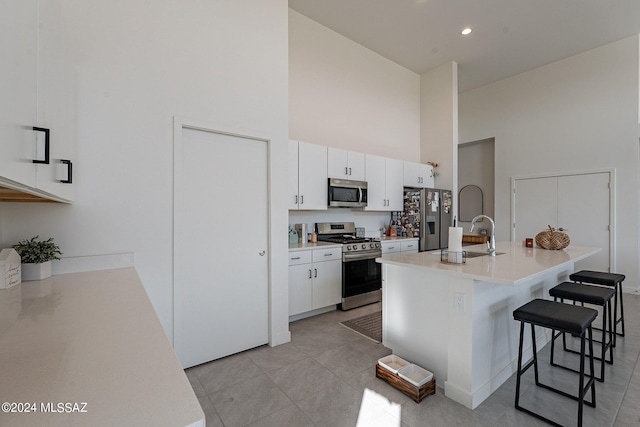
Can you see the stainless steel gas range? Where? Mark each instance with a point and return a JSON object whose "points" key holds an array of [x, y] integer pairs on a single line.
{"points": [[361, 274]]}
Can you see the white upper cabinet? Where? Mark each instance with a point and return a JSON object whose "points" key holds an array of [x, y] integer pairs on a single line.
{"points": [[345, 164], [418, 175], [37, 145], [307, 176], [385, 183], [18, 83], [54, 104], [395, 187]]}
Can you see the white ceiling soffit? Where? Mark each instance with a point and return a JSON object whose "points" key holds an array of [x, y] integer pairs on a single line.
{"points": [[509, 36]]}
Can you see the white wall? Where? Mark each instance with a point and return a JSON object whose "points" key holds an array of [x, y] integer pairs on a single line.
{"points": [[439, 124], [138, 65], [342, 94], [576, 114]]}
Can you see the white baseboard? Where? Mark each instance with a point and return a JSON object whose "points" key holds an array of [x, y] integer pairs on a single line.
{"points": [[93, 262]]}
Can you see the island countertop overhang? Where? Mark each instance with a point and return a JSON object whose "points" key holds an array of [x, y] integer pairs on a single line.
{"points": [[516, 265]]}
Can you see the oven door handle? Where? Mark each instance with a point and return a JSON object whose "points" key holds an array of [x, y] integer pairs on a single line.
{"points": [[359, 195], [359, 257]]}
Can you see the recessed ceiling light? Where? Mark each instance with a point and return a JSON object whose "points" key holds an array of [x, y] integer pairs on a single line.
{"points": [[466, 31]]}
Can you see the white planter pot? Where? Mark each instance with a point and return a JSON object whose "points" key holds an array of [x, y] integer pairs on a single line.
{"points": [[36, 271]]}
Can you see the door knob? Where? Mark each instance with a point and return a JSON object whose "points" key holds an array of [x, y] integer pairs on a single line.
{"points": [[261, 253]]}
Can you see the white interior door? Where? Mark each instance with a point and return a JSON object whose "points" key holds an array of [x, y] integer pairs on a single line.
{"points": [[583, 212], [220, 275], [579, 204], [535, 207]]}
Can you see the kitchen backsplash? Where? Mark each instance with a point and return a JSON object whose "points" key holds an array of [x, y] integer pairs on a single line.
{"points": [[371, 221]]}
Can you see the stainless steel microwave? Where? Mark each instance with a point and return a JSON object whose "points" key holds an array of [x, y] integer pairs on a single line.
{"points": [[345, 193]]}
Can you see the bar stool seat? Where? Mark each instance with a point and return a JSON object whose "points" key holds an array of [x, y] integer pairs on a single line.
{"points": [[572, 319], [613, 280], [587, 294]]}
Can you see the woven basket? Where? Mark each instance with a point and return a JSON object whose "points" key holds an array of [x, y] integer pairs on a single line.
{"points": [[552, 239]]}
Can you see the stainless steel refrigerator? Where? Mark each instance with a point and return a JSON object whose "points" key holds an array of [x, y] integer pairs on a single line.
{"points": [[427, 214]]}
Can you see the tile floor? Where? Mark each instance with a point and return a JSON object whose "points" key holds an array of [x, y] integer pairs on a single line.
{"points": [[326, 377]]}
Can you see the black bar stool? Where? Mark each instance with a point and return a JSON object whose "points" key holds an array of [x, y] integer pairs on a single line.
{"points": [[606, 279], [587, 294], [572, 319]]}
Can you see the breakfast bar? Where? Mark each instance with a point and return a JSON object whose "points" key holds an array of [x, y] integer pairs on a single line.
{"points": [[456, 319]]}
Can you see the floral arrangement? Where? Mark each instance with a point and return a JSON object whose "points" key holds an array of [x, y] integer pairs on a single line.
{"points": [[434, 165]]}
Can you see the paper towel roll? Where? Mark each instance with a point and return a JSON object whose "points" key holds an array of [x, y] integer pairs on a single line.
{"points": [[455, 239]]}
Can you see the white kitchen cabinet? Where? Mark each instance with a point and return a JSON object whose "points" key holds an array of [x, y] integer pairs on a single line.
{"points": [[391, 247], [397, 246], [18, 83], [37, 96], [315, 279], [385, 183], [307, 176], [409, 246], [418, 175], [54, 104], [345, 164]]}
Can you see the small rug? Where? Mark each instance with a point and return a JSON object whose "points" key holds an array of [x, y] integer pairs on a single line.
{"points": [[369, 326]]}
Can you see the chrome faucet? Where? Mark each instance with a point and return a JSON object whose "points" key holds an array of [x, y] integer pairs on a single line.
{"points": [[491, 244]]}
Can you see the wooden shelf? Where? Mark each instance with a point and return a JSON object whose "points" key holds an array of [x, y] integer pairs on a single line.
{"points": [[416, 393], [12, 195]]}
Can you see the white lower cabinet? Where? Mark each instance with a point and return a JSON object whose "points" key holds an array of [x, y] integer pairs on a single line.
{"points": [[405, 246], [409, 246], [315, 279]]}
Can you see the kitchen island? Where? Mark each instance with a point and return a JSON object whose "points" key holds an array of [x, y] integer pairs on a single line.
{"points": [[87, 349], [456, 319]]}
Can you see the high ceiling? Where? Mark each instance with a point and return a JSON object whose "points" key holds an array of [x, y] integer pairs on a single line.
{"points": [[509, 36]]}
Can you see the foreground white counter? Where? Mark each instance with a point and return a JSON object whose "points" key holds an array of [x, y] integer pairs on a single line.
{"points": [[456, 320], [93, 343]]}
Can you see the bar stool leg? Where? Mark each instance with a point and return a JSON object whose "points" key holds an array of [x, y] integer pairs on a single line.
{"points": [[519, 366], [621, 310]]}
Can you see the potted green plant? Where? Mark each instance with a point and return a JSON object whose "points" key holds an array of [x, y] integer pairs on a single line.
{"points": [[36, 256]]}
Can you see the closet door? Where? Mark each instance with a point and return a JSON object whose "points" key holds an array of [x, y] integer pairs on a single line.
{"points": [[221, 298], [583, 212], [578, 204], [536, 206]]}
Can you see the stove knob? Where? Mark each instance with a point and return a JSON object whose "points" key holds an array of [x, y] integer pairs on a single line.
{"points": [[348, 247], [377, 245], [355, 247], [371, 245], [364, 246]]}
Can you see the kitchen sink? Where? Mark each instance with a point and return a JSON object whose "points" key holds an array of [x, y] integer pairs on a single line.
{"points": [[471, 254]]}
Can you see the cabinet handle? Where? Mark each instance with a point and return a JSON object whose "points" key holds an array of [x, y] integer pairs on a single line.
{"points": [[346, 170], [294, 257], [296, 199], [309, 273], [46, 145], [391, 247], [315, 270], [328, 254], [301, 199], [349, 171], [69, 179]]}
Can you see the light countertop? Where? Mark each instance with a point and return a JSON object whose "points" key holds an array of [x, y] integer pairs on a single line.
{"points": [[396, 238], [93, 342], [309, 245], [515, 266]]}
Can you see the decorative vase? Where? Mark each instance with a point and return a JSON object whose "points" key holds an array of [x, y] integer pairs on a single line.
{"points": [[36, 271]]}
